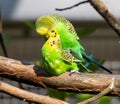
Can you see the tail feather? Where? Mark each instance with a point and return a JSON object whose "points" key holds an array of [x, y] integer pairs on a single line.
{"points": [[88, 62], [95, 62]]}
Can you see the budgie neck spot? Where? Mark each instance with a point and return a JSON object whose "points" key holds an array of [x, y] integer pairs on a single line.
{"points": [[52, 32], [53, 42]]}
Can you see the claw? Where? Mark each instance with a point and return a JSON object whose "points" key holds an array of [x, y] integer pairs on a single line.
{"points": [[73, 71]]}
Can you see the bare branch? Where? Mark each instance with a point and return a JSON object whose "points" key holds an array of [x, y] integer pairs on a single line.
{"points": [[77, 82], [28, 96], [102, 9], [102, 93], [75, 5], [1, 37]]}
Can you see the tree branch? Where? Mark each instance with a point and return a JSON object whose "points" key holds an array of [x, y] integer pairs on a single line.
{"points": [[77, 82], [102, 9], [28, 96]]}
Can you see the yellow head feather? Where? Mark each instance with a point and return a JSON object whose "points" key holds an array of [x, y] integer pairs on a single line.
{"points": [[48, 22], [44, 24], [42, 30]]}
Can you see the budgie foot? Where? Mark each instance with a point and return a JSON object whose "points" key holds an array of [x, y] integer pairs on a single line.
{"points": [[88, 70], [73, 71], [39, 70]]}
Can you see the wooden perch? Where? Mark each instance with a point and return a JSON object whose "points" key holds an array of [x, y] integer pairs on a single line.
{"points": [[28, 96], [77, 82]]}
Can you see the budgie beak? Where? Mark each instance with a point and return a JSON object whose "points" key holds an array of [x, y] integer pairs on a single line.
{"points": [[42, 30]]}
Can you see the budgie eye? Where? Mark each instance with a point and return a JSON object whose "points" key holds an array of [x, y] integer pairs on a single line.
{"points": [[52, 31]]}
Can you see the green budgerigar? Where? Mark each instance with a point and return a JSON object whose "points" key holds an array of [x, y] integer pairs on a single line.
{"points": [[71, 51]]}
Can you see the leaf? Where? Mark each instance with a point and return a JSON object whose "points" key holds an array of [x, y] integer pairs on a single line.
{"points": [[57, 94], [30, 25], [105, 100], [82, 97], [86, 31], [6, 38], [60, 94]]}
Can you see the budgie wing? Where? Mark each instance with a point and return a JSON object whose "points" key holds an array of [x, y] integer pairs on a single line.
{"points": [[67, 56]]}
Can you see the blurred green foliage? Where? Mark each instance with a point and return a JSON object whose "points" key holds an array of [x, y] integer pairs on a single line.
{"points": [[57, 94], [29, 24], [105, 100], [82, 97], [7, 39], [85, 31]]}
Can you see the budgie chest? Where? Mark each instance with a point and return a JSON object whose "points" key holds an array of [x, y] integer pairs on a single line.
{"points": [[52, 57]]}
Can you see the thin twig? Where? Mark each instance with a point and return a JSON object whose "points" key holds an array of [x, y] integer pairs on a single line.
{"points": [[75, 5], [104, 92]]}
